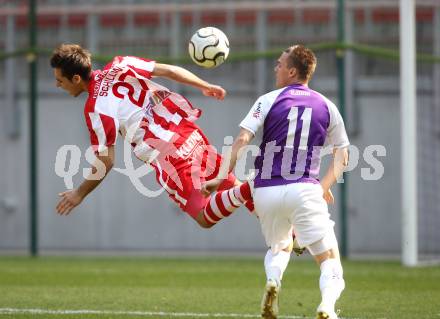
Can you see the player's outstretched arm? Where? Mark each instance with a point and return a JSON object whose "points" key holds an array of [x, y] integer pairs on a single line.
{"points": [[335, 170], [70, 199], [184, 76]]}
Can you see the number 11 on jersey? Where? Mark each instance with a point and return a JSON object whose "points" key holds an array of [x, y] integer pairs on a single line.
{"points": [[306, 117]]}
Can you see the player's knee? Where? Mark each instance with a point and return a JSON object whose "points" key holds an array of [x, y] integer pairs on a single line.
{"points": [[320, 258], [200, 219], [325, 248], [205, 225]]}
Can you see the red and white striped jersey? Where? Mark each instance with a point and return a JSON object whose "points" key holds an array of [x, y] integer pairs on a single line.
{"points": [[123, 98]]}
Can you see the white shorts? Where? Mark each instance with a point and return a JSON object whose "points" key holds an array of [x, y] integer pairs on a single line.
{"points": [[297, 207]]}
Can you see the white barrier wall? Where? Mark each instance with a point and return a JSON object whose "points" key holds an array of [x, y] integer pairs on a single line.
{"points": [[117, 217]]}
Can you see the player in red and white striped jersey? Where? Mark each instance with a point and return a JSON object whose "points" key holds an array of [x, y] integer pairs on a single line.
{"points": [[158, 123]]}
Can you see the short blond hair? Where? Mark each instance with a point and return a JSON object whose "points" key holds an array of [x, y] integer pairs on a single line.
{"points": [[303, 60]]}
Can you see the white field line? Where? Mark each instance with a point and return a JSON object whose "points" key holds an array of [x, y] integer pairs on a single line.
{"points": [[11, 311]]}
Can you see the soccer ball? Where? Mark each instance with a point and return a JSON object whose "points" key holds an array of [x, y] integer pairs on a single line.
{"points": [[208, 47]]}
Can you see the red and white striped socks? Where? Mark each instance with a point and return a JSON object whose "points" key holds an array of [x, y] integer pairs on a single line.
{"points": [[223, 203]]}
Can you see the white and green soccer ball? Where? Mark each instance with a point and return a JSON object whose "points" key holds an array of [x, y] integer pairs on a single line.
{"points": [[208, 47]]}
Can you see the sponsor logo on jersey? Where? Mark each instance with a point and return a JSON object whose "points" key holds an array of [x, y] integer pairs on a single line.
{"points": [[160, 95], [191, 143], [154, 99], [299, 92], [148, 109], [257, 111]]}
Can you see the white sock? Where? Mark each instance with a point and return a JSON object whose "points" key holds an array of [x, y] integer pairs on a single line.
{"points": [[331, 281], [275, 265]]}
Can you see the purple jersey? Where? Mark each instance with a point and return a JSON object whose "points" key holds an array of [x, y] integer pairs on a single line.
{"points": [[296, 123]]}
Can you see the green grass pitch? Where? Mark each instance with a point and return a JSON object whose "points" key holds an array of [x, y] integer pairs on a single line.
{"points": [[205, 288]]}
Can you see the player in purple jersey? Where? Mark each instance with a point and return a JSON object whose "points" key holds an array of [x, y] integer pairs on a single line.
{"points": [[294, 123]]}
